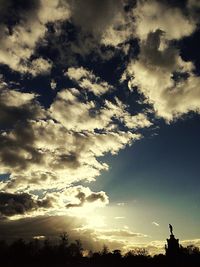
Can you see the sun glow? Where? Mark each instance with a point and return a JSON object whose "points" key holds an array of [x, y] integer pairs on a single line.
{"points": [[96, 221]]}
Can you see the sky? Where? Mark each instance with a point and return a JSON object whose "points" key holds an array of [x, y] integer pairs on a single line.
{"points": [[99, 121]]}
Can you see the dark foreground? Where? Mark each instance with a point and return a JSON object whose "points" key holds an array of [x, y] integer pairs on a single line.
{"points": [[46, 254]]}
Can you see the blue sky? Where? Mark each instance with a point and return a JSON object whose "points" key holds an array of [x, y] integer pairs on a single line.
{"points": [[158, 177]]}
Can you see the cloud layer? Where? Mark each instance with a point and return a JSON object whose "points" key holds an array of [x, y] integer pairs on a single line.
{"points": [[160, 74], [55, 147]]}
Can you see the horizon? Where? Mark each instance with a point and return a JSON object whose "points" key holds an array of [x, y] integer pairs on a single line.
{"points": [[154, 248]]}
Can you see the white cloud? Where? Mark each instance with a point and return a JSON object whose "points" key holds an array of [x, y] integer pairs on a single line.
{"points": [[119, 31], [156, 224], [120, 204], [153, 15], [82, 199], [80, 196], [79, 73], [12, 98], [87, 80], [17, 47], [67, 106], [159, 73], [137, 121], [39, 66], [86, 115], [56, 147], [53, 84], [153, 74]]}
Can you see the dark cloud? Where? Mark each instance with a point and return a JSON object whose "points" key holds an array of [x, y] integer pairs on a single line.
{"points": [[97, 15], [96, 196], [89, 32], [10, 115], [150, 52], [48, 226], [83, 199], [52, 226], [70, 160], [19, 204], [13, 11], [17, 137], [19, 151]]}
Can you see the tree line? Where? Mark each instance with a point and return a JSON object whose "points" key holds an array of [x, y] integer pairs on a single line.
{"points": [[64, 253]]}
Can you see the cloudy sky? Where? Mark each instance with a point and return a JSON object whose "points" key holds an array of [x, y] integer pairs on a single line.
{"points": [[99, 119]]}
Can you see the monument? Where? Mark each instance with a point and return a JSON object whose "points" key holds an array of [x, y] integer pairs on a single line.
{"points": [[172, 248]]}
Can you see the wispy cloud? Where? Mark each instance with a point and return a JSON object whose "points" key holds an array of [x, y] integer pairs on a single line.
{"points": [[156, 224], [121, 204], [119, 217]]}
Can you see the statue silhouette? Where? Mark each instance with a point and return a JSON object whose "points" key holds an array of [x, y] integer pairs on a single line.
{"points": [[171, 229]]}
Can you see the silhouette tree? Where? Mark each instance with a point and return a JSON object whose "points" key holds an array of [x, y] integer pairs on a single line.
{"points": [[63, 248], [63, 253], [76, 249], [64, 240], [105, 250]]}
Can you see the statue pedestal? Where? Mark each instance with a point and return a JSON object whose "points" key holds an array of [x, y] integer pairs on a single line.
{"points": [[172, 248]]}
